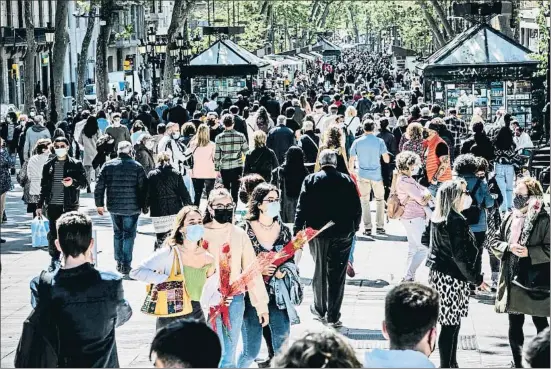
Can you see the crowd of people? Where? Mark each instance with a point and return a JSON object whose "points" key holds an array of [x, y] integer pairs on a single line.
{"points": [[341, 138]]}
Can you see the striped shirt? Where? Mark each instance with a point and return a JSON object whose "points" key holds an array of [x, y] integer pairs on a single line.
{"points": [[57, 185], [231, 146]]}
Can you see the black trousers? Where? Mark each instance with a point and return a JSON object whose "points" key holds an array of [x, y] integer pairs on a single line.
{"points": [[230, 179], [196, 314], [516, 334], [447, 344], [198, 185], [331, 257], [53, 212]]}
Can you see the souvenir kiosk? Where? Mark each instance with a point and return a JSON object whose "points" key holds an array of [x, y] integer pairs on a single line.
{"points": [[483, 68], [224, 67]]}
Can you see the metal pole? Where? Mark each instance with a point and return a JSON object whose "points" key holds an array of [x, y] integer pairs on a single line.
{"points": [[181, 74], [53, 112]]}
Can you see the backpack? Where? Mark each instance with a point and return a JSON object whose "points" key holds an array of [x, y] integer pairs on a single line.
{"points": [[472, 214], [395, 208], [39, 343]]}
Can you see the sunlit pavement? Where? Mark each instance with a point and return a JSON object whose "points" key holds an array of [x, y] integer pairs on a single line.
{"points": [[380, 262]]}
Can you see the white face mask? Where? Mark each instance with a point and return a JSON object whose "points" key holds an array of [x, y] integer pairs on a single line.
{"points": [[116, 122], [415, 170], [467, 202], [150, 145]]}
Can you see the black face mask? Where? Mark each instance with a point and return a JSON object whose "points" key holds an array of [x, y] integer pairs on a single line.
{"points": [[425, 134], [520, 201], [223, 216]]}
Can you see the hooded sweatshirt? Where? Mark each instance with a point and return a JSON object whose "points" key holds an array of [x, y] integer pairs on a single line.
{"points": [[34, 134], [396, 359]]}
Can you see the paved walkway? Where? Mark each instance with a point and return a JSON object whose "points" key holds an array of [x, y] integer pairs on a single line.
{"points": [[379, 264]]}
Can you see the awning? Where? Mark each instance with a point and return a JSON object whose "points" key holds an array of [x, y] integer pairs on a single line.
{"points": [[226, 53], [306, 56]]}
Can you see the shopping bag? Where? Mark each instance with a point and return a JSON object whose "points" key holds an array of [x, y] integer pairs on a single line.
{"points": [[169, 298], [40, 227], [189, 184]]}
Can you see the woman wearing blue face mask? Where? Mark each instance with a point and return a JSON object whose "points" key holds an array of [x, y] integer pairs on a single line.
{"points": [[197, 264], [267, 233]]}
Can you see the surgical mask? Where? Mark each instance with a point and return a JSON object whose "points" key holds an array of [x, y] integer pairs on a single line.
{"points": [[175, 135], [109, 111], [415, 170], [195, 232], [520, 201], [150, 145], [223, 216], [387, 114], [467, 202], [60, 152], [425, 134], [32, 114], [116, 122], [273, 209]]}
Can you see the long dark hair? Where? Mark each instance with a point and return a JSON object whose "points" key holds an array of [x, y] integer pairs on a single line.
{"points": [[262, 115], [256, 198], [91, 127], [293, 171], [504, 139]]}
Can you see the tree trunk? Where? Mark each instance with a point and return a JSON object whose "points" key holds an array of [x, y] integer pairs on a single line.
{"points": [[83, 56], [179, 13], [29, 58], [61, 38], [321, 21], [443, 18], [432, 24], [352, 13], [102, 76], [306, 31]]}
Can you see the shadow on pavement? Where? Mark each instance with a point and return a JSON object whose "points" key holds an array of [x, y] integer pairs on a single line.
{"points": [[377, 283]]}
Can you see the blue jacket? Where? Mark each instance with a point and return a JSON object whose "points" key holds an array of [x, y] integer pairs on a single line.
{"points": [[484, 199], [396, 359], [124, 181]]}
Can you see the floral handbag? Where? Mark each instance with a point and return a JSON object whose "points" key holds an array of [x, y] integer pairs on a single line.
{"points": [[169, 298]]}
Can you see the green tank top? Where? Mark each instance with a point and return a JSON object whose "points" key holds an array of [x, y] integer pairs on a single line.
{"points": [[195, 280]]}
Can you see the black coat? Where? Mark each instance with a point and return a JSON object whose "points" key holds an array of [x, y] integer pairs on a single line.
{"points": [[479, 145], [71, 195], [87, 305], [272, 106], [178, 114], [148, 122], [453, 250], [309, 142], [280, 138], [124, 181], [261, 161], [145, 157], [240, 126], [286, 104], [167, 194], [363, 106], [329, 195]]}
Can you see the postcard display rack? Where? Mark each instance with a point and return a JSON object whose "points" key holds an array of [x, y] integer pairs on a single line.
{"points": [[516, 97], [205, 86]]}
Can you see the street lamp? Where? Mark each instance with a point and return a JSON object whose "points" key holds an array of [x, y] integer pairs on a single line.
{"points": [[154, 48], [182, 53], [50, 32]]}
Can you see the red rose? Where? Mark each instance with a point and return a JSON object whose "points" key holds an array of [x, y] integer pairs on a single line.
{"points": [[205, 244], [225, 248]]}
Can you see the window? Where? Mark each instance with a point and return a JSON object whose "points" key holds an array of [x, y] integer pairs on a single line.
{"points": [[50, 11], [110, 64], [152, 6], [160, 7]]}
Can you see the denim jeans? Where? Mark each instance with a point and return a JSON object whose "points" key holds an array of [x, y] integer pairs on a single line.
{"points": [[124, 227], [433, 188], [505, 178], [230, 337], [251, 331], [417, 252], [351, 257]]}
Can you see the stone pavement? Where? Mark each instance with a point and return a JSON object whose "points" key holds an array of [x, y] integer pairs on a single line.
{"points": [[380, 263]]}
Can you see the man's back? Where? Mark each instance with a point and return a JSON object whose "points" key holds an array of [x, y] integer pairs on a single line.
{"points": [[124, 181], [280, 138], [368, 149], [88, 305]]}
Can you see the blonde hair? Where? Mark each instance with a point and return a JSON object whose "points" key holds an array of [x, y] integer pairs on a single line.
{"points": [[259, 139], [350, 112], [203, 135], [164, 157], [406, 159], [533, 186], [215, 194], [446, 199]]}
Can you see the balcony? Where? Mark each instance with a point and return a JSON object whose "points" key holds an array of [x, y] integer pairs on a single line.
{"points": [[18, 36]]}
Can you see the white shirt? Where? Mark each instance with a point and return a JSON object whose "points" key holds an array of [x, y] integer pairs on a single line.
{"points": [[212, 105], [523, 141], [353, 123], [78, 129]]}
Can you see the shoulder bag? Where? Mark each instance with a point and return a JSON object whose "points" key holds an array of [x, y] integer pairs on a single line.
{"points": [[472, 214]]}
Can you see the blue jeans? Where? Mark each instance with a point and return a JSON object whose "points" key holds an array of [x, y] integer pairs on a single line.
{"points": [[251, 331], [433, 188], [124, 227], [505, 178], [351, 257], [230, 337]]}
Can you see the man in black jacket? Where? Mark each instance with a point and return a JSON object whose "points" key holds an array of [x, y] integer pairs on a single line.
{"points": [[272, 106], [147, 119], [125, 182], [280, 138], [329, 195], [287, 104], [238, 122], [309, 142], [62, 179], [89, 304], [178, 114]]}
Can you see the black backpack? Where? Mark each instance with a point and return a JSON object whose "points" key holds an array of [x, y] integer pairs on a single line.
{"points": [[39, 343], [472, 214]]}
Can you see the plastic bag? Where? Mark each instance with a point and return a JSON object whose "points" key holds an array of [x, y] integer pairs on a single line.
{"points": [[189, 184], [40, 227]]}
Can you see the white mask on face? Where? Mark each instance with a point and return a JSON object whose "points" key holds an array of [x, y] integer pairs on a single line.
{"points": [[467, 202]]}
